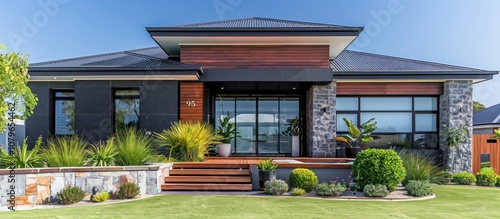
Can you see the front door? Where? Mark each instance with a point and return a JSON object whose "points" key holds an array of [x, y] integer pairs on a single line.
{"points": [[261, 123]]}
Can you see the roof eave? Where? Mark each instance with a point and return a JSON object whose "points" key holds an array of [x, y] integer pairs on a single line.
{"points": [[477, 76], [175, 31], [199, 69]]}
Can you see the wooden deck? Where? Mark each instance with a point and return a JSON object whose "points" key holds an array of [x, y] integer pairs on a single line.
{"points": [[235, 173]]}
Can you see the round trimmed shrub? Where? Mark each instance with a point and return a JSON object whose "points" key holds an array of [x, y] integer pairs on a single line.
{"points": [[498, 181], [464, 178], [486, 177], [70, 195], [303, 178], [378, 166]]}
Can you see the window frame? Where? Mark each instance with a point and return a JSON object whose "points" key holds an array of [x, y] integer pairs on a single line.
{"points": [[115, 97], [53, 123], [413, 111]]}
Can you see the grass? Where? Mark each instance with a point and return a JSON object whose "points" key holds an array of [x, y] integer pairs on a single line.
{"points": [[451, 202]]}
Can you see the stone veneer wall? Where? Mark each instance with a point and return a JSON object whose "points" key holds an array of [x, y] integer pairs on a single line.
{"points": [[321, 120], [41, 185], [456, 109]]}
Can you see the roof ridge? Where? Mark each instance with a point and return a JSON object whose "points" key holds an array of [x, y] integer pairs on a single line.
{"points": [[90, 56], [260, 18], [412, 60]]}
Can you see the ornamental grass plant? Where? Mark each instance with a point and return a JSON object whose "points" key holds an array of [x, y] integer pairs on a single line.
{"points": [[188, 141], [65, 151], [134, 147]]}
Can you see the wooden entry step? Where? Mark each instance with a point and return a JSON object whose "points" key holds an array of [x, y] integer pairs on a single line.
{"points": [[205, 187], [209, 177]]}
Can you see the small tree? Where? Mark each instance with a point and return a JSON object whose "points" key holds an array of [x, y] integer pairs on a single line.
{"points": [[13, 84], [477, 106]]}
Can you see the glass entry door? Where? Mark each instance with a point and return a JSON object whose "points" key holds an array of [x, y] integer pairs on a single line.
{"points": [[261, 123]]}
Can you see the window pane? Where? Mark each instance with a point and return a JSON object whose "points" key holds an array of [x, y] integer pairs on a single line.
{"points": [[341, 126], [246, 125], [65, 94], [391, 140], [425, 103], [268, 125], [64, 116], [425, 122], [425, 141], [347, 103], [289, 110], [126, 108], [386, 103], [127, 93], [390, 122]]}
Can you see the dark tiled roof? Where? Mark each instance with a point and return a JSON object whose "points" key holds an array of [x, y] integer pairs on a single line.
{"points": [[153, 57], [490, 115], [352, 61], [257, 22]]}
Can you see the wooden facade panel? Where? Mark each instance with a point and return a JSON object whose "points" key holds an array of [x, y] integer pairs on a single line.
{"points": [[230, 56], [389, 88], [480, 146], [191, 101]]}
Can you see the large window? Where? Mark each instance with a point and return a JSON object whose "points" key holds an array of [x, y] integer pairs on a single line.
{"points": [[410, 122], [126, 108], [64, 113], [261, 122]]}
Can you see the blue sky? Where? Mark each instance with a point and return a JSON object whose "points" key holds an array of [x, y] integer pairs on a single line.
{"points": [[457, 32]]}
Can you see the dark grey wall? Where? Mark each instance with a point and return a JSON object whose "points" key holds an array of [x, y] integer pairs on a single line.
{"points": [[39, 123], [94, 106]]}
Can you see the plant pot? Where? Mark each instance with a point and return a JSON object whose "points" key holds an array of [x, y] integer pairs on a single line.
{"points": [[352, 152], [340, 153], [295, 146], [265, 176], [224, 150]]}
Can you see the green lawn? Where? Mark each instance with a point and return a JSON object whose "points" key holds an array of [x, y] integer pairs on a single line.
{"points": [[451, 202]]}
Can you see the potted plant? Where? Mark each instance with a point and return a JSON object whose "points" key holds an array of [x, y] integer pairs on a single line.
{"points": [[267, 172], [294, 131], [227, 131], [357, 136]]}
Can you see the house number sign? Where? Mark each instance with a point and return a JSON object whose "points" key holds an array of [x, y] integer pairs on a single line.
{"points": [[191, 103]]}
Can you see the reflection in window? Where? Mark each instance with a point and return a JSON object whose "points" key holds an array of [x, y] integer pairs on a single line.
{"points": [[401, 121], [485, 161], [64, 113], [126, 108]]}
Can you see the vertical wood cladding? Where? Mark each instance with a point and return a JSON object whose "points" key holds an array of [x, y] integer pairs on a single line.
{"points": [[189, 92], [485, 144], [245, 56], [389, 88]]}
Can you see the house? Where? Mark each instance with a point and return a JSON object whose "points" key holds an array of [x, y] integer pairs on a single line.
{"points": [[487, 120], [263, 73]]}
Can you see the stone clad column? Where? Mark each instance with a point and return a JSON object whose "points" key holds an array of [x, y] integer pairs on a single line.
{"points": [[321, 116], [455, 110]]}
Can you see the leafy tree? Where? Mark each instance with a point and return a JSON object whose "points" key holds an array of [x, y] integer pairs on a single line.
{"points": [[13, 84], [478, 106]]}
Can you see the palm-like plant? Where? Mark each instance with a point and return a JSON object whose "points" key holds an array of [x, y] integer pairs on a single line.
{"points": [[188, 141], [134, 147], [358, 136], [497, 133], [226, 130], [22, 157], [67, 151], [102, 154]]}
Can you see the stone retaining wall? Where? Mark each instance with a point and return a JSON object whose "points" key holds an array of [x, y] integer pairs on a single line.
{"points": [[41, 185]]}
